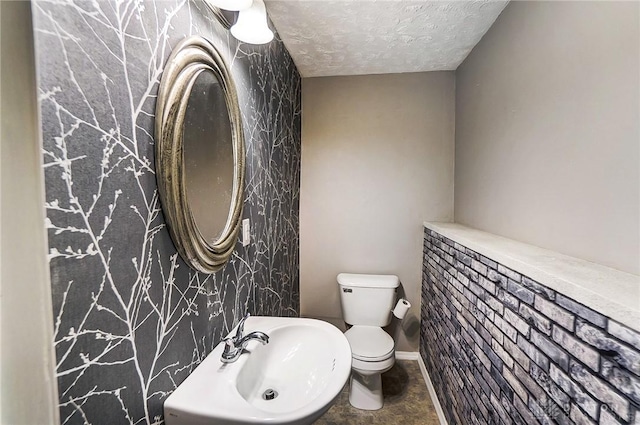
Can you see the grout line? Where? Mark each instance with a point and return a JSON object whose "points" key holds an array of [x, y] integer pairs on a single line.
{"points": [[412, 355]]}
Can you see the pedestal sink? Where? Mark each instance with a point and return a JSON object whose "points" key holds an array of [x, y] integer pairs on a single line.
{"points": [[293, 379]]}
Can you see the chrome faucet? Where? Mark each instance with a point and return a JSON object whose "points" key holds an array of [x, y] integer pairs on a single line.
{"points": [[234, 346]]}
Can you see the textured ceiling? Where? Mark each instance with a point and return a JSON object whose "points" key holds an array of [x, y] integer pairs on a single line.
{"points": [[353, 37]]}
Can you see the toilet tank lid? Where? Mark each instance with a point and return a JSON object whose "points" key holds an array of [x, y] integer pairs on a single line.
{"points": [[369, 280]]}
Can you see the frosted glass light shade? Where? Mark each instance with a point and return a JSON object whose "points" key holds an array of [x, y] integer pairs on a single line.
{"points": [[233, 5], [251, 26]]}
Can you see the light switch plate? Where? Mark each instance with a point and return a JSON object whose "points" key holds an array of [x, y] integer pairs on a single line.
{"points": [[246, 232]]}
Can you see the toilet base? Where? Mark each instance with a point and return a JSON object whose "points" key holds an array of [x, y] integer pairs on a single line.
{"points": [[365, 391]]}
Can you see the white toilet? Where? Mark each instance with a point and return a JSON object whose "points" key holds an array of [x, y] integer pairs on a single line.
{"points": [[367, 301]]}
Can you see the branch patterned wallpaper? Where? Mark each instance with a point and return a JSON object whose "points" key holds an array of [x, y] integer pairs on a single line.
{"points": [[131, 318]]}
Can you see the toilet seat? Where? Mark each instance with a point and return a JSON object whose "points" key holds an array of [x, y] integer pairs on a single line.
{"points": [[369, 343]]}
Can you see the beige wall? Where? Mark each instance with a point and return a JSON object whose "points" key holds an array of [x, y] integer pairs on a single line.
{"points": [[28, 386], [377, 161], [547, 130]]}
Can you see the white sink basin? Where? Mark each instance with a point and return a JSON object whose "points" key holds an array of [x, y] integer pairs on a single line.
{"points": [[306, 362]]}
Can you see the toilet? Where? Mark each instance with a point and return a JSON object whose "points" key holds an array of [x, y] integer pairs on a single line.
{"points": [[367, 301]]}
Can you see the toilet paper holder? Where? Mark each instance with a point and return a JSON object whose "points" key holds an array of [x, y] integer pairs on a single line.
{"points": [[401, 308]]}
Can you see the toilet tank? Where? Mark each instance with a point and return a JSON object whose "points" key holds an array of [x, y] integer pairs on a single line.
{"points": [[367, 299]]}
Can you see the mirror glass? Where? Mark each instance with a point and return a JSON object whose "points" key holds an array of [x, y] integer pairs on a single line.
{"points": [[208, 156]]}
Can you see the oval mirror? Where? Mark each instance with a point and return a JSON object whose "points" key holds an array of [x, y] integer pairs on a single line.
{"points": [[200, 154], [208, 156]]}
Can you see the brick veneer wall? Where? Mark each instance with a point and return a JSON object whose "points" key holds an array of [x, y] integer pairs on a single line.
{"points": [[503, 349]]}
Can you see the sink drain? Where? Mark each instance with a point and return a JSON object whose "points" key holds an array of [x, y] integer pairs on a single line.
{"points": [[269, 394]]}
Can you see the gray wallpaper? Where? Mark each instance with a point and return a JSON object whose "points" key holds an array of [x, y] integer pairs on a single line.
{"points": [[131, 318]]}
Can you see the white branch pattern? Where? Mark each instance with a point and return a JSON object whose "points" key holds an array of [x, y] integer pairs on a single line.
{"points": [[131, 318]]}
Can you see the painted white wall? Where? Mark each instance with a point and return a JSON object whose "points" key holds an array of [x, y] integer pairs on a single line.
{"points": [[27, 382], [377, 161], [547, 130]]}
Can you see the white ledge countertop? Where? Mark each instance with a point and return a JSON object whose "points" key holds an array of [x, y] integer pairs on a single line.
{"points": [[608, 291]]}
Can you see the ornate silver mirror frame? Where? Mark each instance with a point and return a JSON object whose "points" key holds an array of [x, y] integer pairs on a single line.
{"points": [[188, 60]]}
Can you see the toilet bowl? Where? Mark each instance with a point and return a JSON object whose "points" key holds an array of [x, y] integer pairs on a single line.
{"points": [[373, 353], [366, 305]]}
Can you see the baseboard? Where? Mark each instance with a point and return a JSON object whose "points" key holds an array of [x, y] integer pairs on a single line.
{"points": [[407, 355], [412, 355]]}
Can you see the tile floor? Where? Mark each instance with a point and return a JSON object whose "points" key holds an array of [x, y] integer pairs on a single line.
{"points": [[406, 401]]}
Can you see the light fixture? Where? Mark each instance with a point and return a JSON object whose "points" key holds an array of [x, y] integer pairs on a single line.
{"points": [[232, 5], [251, 26]]}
